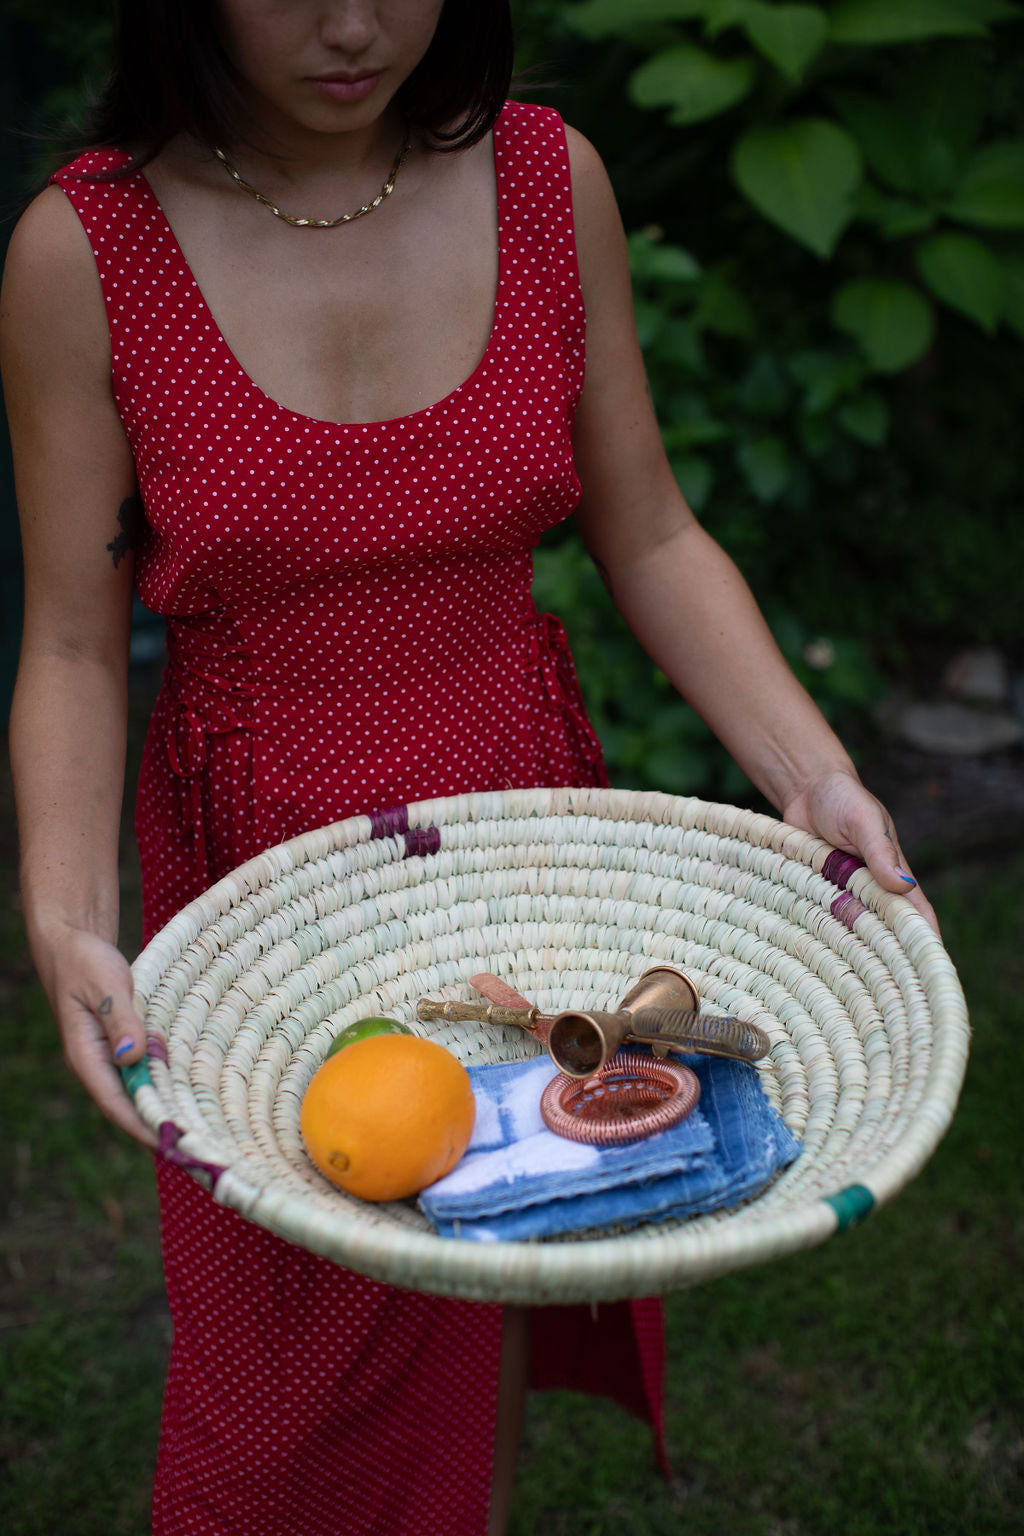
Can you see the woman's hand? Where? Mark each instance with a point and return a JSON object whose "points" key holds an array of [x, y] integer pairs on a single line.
{"points": [[839, 809], [89, 985]]}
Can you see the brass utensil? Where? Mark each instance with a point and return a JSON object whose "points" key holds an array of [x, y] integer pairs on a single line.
{"points": [[531, 1019], [660, 1010], [581, 1043], [661, 986]]}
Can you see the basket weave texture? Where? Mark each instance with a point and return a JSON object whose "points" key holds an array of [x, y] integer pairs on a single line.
{"points": [[570, 894]]}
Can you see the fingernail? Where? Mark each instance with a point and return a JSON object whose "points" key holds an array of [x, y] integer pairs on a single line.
{"points": [[123, 1046], [904, 876]]}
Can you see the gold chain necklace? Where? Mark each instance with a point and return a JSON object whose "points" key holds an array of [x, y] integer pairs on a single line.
{"points": [[344, 218]]}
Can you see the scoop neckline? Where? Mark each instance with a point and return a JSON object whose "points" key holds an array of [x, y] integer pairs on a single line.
{"points": [[323, 423]]}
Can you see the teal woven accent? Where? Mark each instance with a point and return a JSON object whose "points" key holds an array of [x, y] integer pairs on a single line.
{"points": [[851, 1205], [136, 1076]]}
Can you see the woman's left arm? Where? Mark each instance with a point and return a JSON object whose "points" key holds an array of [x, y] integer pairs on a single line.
{"points": [[678, 590]]}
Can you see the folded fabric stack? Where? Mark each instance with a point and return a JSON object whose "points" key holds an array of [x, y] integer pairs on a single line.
{"points": [[519, 1180]]}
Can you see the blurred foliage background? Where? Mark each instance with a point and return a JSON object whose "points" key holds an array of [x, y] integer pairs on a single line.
{"points": [[825, 209]]}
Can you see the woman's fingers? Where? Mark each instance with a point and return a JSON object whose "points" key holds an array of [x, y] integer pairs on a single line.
{"points": [[846, 814], [889, 865], [90, 1053], [100, 1025]]}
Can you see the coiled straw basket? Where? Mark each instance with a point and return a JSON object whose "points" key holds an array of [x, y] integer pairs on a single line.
{"points": [[570, 894]]}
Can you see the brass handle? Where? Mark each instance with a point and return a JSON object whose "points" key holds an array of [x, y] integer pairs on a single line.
{"points": [[530, 1019], [676, 1030]]}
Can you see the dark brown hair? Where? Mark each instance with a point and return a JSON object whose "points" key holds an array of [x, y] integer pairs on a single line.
{"points": [[171, 75]]}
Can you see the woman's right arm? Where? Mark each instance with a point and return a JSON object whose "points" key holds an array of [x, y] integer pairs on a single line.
{"points": [[76, 489]]}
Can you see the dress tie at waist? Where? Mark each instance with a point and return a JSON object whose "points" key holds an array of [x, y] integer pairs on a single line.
{"points": [[551, 656], [209, 681]]}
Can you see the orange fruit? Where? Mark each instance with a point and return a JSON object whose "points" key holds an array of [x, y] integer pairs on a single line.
{"points": [[388, 1115]]}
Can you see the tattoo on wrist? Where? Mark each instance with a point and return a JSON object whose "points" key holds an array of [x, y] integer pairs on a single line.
{"points": [[130, 517]]}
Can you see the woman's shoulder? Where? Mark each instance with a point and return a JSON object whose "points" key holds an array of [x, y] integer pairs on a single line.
{"points": [[530, 119], [50, 281], [92, 166], [49, 238]]}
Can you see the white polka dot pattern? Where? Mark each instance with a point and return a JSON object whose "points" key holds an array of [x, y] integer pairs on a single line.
{"points": [[349, 613], [350, 627], [303, 1399]]}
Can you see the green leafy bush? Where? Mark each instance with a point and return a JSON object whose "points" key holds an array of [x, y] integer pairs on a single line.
{"points": [[827, 216]]}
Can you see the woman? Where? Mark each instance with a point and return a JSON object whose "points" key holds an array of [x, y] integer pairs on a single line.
{"points": [[325, 453]]}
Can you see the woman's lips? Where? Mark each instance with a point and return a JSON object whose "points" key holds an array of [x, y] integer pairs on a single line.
{"points": [[343, 90]]}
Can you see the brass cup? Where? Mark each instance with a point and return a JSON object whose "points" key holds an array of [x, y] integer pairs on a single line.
{"points": [[581, 1043], [663, 986]]}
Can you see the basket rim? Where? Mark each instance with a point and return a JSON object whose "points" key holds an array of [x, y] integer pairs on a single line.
{"points": [[646, 1260]]}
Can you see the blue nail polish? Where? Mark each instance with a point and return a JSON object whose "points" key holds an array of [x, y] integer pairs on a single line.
{"points": [[124, 1047], [908, 878]]}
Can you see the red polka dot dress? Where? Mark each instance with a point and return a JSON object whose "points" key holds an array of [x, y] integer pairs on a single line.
{"points": [[349, 628]]}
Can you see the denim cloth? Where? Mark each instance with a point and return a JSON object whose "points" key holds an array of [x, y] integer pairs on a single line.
{"points": [[519, 1180]]}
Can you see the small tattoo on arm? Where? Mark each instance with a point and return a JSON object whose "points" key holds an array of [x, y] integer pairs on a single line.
{"points": [[130, 517], [105, 1007]]}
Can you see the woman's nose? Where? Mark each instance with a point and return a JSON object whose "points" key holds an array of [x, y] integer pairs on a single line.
{"points": [[349, 24]]}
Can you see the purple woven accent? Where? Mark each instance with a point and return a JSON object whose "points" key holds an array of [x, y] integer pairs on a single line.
{"points": [[421, 840], [390, 823], [156, 1050], [847, 909], [170, 1134], [839, 866]]}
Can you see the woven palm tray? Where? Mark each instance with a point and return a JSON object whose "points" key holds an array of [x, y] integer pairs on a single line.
{"points": [[570, 894]]}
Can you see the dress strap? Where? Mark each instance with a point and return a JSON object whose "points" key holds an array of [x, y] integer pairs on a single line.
{"points": [[147, 286], [538, 235]]}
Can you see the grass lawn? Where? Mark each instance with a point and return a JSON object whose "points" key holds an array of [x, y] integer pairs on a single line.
{"points": [[873, 1385]]}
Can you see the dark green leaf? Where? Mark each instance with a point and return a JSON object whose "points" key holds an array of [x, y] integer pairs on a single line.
{"points": [[964, 274], [824, 377], [1013, 291], [905, 21], [691, 426], [891, 321], [678, 344], [817, 435], [765, 389], [866, 417], [881, 134], [801, 177], [721, 306], [656, 259], [694, 84], [765, 464], [942, 103], [896, 217], [607, 18], [723, 14], [991, 192], [648, 319], [789, 35], [695, 478], [920, 141]]}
